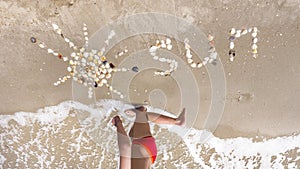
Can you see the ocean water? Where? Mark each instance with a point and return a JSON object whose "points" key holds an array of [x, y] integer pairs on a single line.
{"points": [[74, 135]]}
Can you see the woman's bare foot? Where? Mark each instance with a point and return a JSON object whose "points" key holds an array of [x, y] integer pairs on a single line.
{"points": [[116, 120], [180, 120]]}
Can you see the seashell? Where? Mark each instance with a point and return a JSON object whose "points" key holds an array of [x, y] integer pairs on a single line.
{"points": [[121, 96], [121, 53], [85, 33], [83, 60], [135, 69], [96, 57], [153, 54], [199, 65], [92, 64], [55, 54], [86, 38], [163, 45], [55, 27], [156, 73], [250, 30], [254, 34], [110, 88], [206, 58], [232, 31], [231, 38], [188, 54], [254, 51], [102, 66], [71, 62], [109, 70], [124, 69], [212, 49], [176, 63], [33, 39], [42, 45], [108, 75], [82, 50], [157, 42], [231, 45], [65, 59], [55, 84], [104, 81], [162, 59], [162, 42], [84, 28], [101, 76], [205, 62], [254, 55], [168, 41], [254, 40], [190, 61], [231, 58], [254, 46], [172, 64], [76, 58], [213, 55], [50, 51], [104, 71], [100, 84], [244, 32], [193, 65], [255, 29], [103, 58], [153, 49], [107, 66], [210, 37], [59, 31], [71, 44], [169, 47], [67, 40], [187, 46], [155, 57], [238, 34], [73, 54]]}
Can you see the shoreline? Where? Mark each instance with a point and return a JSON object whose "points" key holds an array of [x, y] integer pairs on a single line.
{"points": [[28, 73]]}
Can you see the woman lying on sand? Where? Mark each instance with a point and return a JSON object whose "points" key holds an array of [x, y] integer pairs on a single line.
{"points": [[142, 152]]}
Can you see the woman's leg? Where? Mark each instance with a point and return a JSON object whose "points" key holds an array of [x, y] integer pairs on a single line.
{"points": [[140, 158], [162, 119], [123, 144]]}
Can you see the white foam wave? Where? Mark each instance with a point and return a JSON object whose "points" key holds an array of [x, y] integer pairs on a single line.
{"points": [[83, 133]]}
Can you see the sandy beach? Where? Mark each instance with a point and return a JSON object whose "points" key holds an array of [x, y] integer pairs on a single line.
{"points": [[262, 93]]}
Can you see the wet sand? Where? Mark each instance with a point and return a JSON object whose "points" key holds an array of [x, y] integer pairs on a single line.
{"points": [[261, 93]]}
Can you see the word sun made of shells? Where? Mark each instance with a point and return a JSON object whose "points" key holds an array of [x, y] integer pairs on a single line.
{"points": [[92, 69]]}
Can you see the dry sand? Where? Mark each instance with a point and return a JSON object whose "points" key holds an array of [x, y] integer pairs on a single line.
{"points": [[268, 87]]}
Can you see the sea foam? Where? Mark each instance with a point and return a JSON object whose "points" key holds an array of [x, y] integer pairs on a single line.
{"points": [[75, 135]]}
